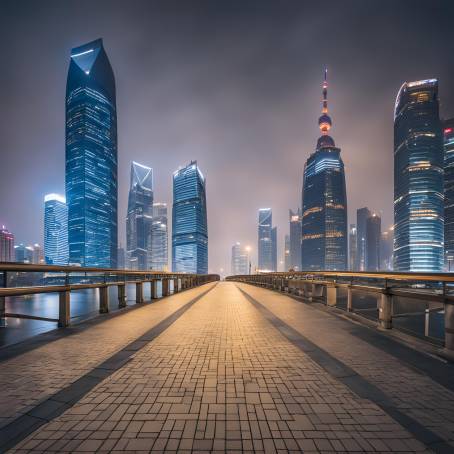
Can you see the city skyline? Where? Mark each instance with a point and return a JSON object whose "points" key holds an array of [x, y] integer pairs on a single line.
{"points": [[291, 122]]}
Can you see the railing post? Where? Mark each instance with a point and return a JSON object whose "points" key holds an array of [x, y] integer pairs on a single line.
{"points": [[139, 292], [331, 294], [121, 295], [349, 299], [165, 287], [153, 289], [385, 310], [3, 300], [175, 286], [103, 299], [449, 329], [64, 308]]}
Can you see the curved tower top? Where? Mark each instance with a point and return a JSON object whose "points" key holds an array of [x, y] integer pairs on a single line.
{"points": [[324, 121]]}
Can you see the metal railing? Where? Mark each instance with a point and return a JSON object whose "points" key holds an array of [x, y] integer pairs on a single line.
{"points": [[396, 296], [65, 279]]}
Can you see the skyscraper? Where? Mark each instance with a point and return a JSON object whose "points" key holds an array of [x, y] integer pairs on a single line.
{"points": [[6, 245], [159, 238], [448, 130], [91, 157], [373, 237], [239, 263], [324, 214], [274, 249], [121, 258], [189, 221], [265, 245], [23, 254], [38, 257], [138, 219], [362, 215], [386, 250], [352, 240], [287, 253], [418, 178], [55, 230], [295, 239]]}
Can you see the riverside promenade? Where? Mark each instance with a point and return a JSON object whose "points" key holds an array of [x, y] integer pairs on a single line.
{"points": [[225, 367]]}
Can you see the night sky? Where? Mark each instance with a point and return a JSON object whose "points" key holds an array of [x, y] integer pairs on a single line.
{"points": [[234, 85]]}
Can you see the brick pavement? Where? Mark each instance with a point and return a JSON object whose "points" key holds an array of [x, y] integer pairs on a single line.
{"points": [[222, 379], [30, 378], [411, 391]]}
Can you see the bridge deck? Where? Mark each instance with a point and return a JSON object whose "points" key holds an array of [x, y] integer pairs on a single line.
{"points": [[238, 369]]}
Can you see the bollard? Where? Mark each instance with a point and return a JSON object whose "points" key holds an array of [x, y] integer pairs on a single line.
{"points": [[175, 286], [153, 289], [139, 292], [165, 287], [103, 299], [331, 295], [349, 299], [64, 309], [121, 295], [449, 330], [385, 310]]}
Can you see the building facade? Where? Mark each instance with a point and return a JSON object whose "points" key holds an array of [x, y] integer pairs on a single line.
{"points": [[239, 263], [23, 254], [274, 249], [324, 202], [56, 251], [373, 240], [159, 238], [362, 215], [295, 239], [287, 253], [448, 142], [265, 244], [352, 244], [6, 245], [139, 217], [91, 157], [189, 221], [386, 250], [418, 179]]}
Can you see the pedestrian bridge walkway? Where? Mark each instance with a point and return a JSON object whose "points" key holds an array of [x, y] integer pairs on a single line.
{"points": [[225, 367]]}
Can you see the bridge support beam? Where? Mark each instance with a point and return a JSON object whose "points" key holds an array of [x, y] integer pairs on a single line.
{"points": [[64, 309], [385, 310], [165, 287], [103, 299], [176, 288], [153, 290], [139, 292], [121, 295], [331, 295]]}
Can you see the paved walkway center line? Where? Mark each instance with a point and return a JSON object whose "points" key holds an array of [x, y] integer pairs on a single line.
{"points": [[352, 380], [56, 404]]}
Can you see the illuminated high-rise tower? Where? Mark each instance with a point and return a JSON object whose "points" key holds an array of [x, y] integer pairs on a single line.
{"points": [[418, 178], [91, 158], [324, 216]]}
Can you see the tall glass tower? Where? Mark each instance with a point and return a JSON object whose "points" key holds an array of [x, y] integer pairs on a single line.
{"points": [[418, 178], [265, 240], [189, 221], [55, 230], [91, 157], [138, 220], [324, 214], [448, 134], [362, 215], [159, 238], [295, 239]]}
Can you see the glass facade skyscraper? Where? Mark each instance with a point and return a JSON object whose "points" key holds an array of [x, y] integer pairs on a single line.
{"points": [[373, 240], [55, 230], [287, 253], [352, 244], [324, 202], [189, 221], [418, 179], [362, 215], [295, 240], [91, 157], [6, 245], [448, 135], [265, 244], [274, 249], [159, 238], [139, 217], [239, 263]]}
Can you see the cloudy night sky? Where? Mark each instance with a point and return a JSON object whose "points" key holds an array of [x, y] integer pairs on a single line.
{"points": [[234, 85]]}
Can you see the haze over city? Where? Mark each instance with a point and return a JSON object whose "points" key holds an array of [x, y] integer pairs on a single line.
{"points": [[235, 86]]}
